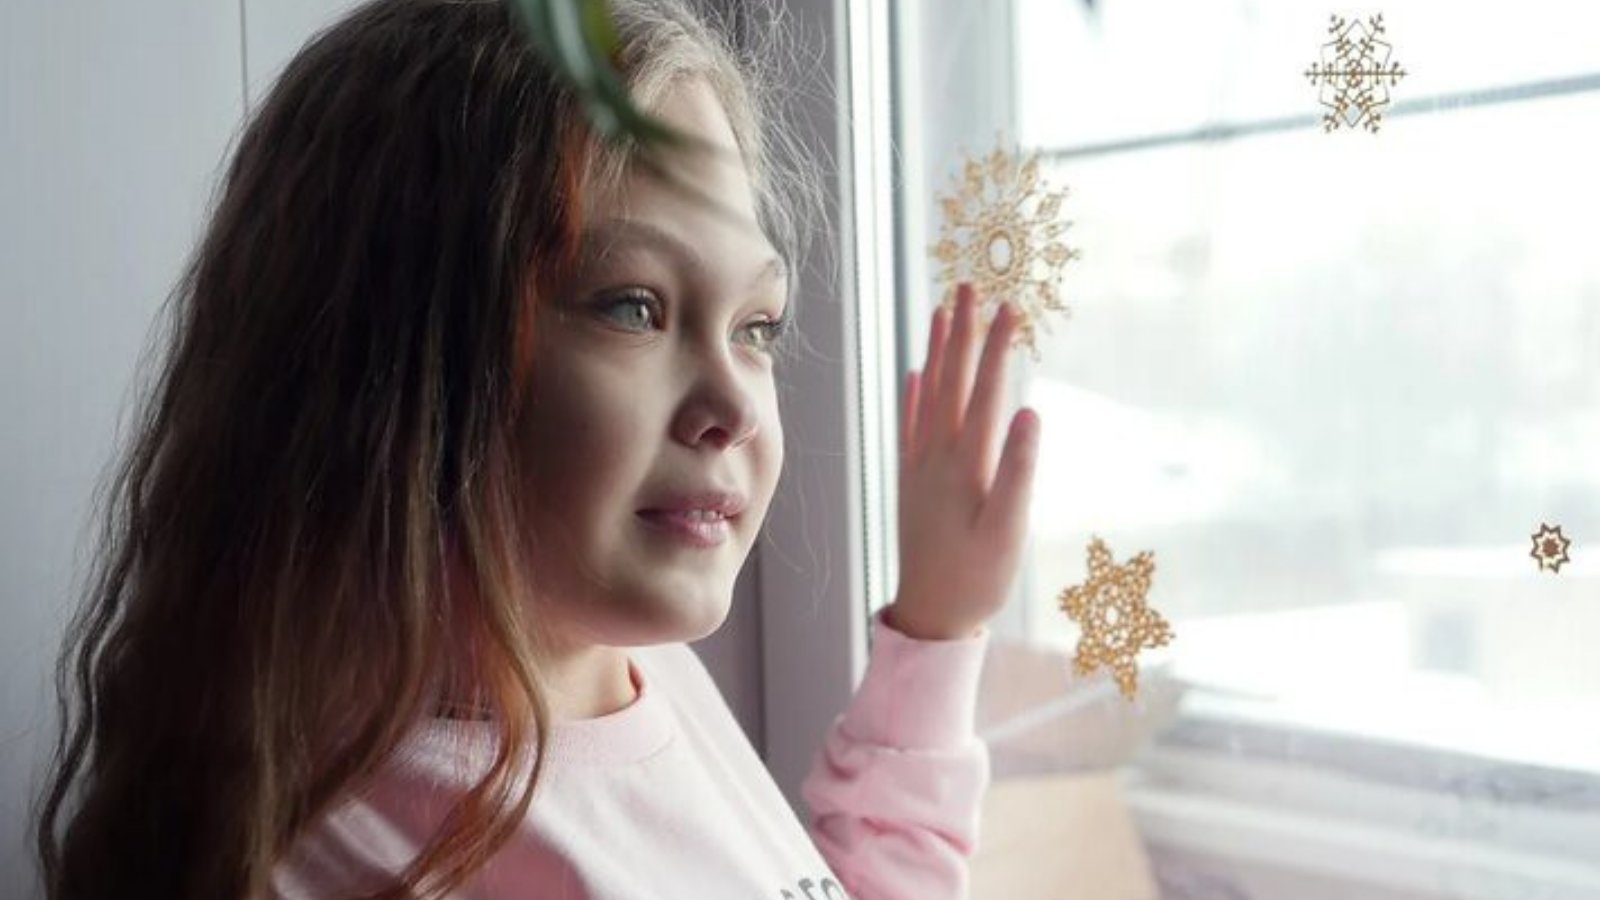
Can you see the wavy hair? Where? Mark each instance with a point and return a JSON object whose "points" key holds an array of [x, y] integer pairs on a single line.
{"points": [[330, 434]]}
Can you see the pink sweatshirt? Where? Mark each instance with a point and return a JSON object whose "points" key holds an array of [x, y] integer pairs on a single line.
{"points": [[666, 798]]}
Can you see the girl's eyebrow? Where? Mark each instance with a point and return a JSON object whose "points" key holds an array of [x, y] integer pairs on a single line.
{"points": [[606, 236]]}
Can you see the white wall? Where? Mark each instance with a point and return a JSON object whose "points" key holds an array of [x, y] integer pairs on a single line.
{"points": [[116, 120]]}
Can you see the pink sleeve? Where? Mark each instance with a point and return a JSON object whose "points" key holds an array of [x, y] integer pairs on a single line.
{"points": [[895, 792]]}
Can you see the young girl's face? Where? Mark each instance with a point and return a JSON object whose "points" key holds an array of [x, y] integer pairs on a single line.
{"points": [[653, 380]]}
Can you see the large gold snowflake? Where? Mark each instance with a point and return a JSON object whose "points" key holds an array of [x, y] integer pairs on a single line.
{"points": [[1111, 610], [1002, 233], [1550, 548]]}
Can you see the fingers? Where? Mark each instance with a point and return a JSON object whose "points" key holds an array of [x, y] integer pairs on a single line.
{"points": [[981, 430], [945, 387], [928, 381], [908, 421], [1007, 505], [955, 375]]}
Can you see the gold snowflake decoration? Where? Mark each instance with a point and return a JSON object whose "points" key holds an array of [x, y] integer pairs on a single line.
{"points": [[1351, 75], [1002, 233], [1550, 548], [1111, 610]]}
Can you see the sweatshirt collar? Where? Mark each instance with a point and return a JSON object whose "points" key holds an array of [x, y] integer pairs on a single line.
{"points": [[626, 736]]}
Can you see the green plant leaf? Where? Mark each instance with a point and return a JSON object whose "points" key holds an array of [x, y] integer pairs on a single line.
{"points": [[577, 39]]}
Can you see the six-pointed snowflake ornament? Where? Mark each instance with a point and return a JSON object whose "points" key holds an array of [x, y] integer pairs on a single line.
{"points": [[1112, 611], [1550, 548], [1355, 74], [1003, 233]]}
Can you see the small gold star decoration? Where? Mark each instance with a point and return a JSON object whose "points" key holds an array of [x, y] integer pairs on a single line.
{"points": [[1002, 232], [1550, 548], [1111, 610]]}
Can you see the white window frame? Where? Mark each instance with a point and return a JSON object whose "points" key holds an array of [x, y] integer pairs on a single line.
{"points": [[816, 580]]}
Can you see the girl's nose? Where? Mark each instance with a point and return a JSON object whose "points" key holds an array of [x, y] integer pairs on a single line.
{"points": [[722, 407]]}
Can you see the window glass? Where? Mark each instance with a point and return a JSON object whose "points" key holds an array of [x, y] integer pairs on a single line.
{"points": [[1335, 382]]}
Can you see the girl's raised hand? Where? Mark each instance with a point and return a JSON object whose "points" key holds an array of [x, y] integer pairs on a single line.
{"points": [[962, 522]]}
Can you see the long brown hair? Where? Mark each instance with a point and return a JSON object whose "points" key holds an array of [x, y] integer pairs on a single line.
{"points": [[269, 610]]}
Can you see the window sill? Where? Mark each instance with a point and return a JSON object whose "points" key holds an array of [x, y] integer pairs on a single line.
{"points": [[1261, 802], [1227, 789]]}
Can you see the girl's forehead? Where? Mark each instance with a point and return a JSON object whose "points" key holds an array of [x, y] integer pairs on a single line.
{"points": [[695, 202], [709, 210], [751, 252], [711, 161]]}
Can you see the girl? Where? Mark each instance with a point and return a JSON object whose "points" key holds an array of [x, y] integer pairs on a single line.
{"points": [[466, 427]]}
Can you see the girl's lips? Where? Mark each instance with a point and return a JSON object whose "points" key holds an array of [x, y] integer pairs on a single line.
{"points": [[680, 527]]}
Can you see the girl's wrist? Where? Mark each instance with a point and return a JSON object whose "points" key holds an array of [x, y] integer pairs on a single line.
{"points": [[894, 617]]}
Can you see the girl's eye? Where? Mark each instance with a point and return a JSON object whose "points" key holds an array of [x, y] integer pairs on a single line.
{"points": [[636, 300], [769, 331]]}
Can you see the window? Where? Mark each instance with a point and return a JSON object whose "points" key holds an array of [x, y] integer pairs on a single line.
{"points": [[1335, 382]]}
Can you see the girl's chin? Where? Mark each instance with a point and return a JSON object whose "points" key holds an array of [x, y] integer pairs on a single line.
{"points": [[687, 623]]}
